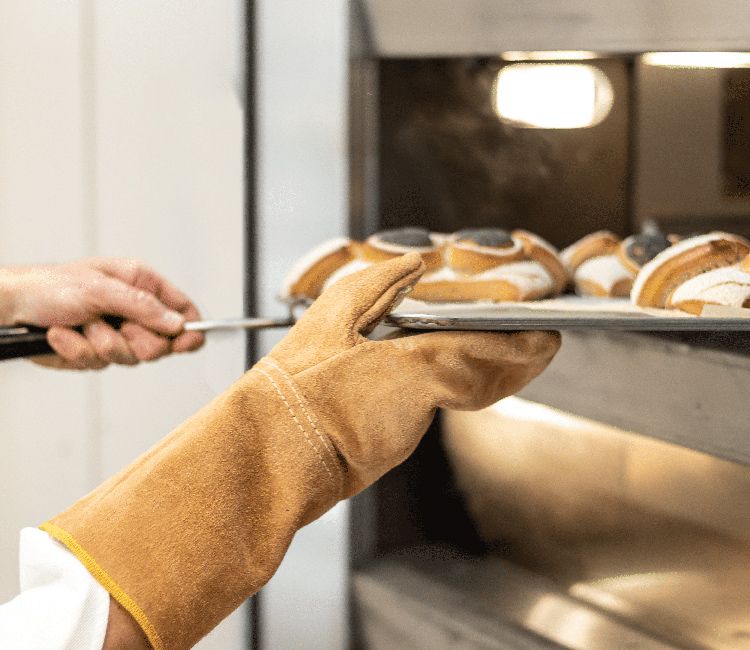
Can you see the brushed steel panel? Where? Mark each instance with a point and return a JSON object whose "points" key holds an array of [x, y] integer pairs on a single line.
{"points": [[652, 532], [424, 28]]}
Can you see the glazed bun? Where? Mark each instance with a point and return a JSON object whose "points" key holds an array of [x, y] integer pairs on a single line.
{"points": [[659, 278]]}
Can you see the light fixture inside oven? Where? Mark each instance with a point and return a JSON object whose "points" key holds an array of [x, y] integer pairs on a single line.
{"points": [[697, 59], [549, 55], [552, 95]]}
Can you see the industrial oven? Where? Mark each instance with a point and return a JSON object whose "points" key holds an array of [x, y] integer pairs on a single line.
{"points": [[608, 505]]}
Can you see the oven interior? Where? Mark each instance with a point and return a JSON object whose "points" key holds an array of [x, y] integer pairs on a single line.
{"points": [[606, 506]]}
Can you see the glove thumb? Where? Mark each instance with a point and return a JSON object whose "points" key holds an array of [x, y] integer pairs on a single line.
{"points": [[347, 311]]}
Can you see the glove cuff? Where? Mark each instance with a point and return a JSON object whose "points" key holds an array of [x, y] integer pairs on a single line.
{"points": [[185, 534]]}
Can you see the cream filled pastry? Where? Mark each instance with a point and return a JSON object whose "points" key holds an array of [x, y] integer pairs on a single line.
{"points": [[477, 249], [603, 276], [515, 281], [660, 277], [728, 286], [306, 278], [595, 267], [601, 242], [388, 244], [540, 250], [492, 264]]}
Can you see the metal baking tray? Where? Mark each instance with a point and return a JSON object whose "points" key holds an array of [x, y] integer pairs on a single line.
{"points": [[566, 313]]}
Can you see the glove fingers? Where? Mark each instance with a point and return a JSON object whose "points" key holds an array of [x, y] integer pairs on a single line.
{"points": [[471, 370], [346, 311], [360, 300]]}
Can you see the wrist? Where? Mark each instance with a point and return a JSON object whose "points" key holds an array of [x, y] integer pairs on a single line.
{"points": [[8, 296]]}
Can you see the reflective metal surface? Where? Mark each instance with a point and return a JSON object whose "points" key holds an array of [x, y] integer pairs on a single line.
{"points": [[431, 598], [656, 534], [488, 27]]}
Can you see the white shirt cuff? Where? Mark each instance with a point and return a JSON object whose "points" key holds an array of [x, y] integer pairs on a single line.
{"points": [[60, 606]]}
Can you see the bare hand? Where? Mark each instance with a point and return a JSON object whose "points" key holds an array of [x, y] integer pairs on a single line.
{"points": [[64, 296]]}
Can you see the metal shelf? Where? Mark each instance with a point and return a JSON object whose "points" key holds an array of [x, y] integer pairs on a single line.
{"points": [[674, 388]]}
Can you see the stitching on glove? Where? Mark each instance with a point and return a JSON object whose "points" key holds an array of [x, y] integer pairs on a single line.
{"points": [[294, 417], [313, 421]]}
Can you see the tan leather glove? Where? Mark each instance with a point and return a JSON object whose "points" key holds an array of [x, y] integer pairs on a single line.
{"points": [[201, 521]]}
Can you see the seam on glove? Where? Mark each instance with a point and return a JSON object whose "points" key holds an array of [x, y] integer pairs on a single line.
{"points": [[311, 419], [296, 420], [106, 581]]}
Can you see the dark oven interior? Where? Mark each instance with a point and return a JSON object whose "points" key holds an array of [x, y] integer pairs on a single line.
{"points": [[609, 520]]}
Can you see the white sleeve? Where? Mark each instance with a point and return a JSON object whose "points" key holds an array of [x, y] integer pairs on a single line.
{"points": [[60, 607]]}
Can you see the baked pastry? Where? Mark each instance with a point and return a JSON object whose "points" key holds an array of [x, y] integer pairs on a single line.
{"points": [[659, 278], [306, 278], [728, 286], [388, 244], [540, 250], [470, 265], [596, 268], [492, 264]]}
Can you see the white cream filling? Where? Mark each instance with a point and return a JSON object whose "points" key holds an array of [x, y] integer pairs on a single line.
{"points": [[348, 268], [604, 270], [728, 286], [528, 276], [670, 253], [308, 260]]}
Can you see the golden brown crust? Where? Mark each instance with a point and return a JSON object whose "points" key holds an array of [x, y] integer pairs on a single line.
{"points": [[745, 265], [371, 252], [601, 242], [627, 262], [621, 289], [468, 257], [666, 277], [458, 291], [534, 247], [310, 284]]}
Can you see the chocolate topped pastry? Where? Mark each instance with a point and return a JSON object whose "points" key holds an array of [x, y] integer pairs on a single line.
{"points": [[485, 236], [646, 246], [417, 237], [495, 265], [388, 244], [639, 249], [679, 263]]}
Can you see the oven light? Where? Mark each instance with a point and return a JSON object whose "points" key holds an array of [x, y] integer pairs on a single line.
{"points": [[549, 55], [552, 95], [697, 59]]}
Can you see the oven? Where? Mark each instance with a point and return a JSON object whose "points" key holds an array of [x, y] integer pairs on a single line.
{"points": [[605, 506]]}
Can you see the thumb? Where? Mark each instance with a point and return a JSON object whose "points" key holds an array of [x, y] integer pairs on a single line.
{"points": [[471, 370], [117, 298], [346, 311], [360, 300]]}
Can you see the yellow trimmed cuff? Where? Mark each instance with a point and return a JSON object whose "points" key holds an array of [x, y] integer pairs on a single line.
{"points": [[106, 581]]}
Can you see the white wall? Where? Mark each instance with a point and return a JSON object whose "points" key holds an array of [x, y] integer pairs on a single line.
{"points": [[121, 133], [302, 196]]}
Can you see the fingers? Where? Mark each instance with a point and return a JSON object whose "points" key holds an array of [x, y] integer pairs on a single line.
{"points": [[471, 370], [109, 344], [138, 274], [73, 349], [358, 301], [145, 344], [113, 296]]}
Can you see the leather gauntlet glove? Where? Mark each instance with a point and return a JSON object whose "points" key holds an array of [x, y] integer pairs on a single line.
{"points": [[186, 533]]}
